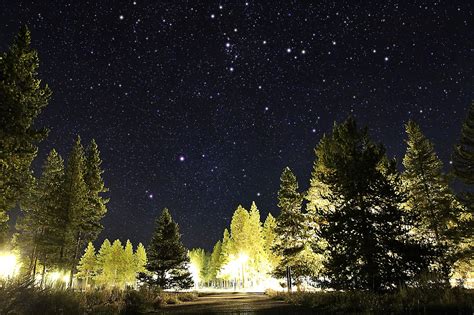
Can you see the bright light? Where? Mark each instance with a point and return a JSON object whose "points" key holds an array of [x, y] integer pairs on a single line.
{"points": [[8, 265], [195, 273]]}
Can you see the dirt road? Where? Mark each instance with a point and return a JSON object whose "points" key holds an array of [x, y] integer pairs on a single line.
{"points": [[233, 303]]}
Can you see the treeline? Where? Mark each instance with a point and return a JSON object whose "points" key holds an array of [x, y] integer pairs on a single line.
{"points": [[244, 257], [362, 224], [114, 266], [61, 209]]}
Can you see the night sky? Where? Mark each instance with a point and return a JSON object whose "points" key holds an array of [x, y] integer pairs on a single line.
{"points": [[199, 106]]}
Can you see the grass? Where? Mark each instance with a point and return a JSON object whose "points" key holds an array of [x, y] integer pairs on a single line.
{"points": [[22, 298], [404, 301]]}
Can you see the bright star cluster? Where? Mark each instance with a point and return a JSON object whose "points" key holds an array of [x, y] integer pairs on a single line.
{"points": [[199, 105]]}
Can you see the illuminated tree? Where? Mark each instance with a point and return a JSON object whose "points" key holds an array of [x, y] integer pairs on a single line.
{"points": [[140, 258], [200, 265], [167, 258], [292, 231], [41, 228], [215, 261], [87, 267], [430, 199], [258, 261], [240, 231], [367, 231], [269, 237], [463, 167], [103, 258], [130, 266], [22, 98]]}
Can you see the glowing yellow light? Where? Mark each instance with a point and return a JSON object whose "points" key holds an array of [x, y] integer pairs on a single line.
{"points": [[54, 276], [8, 266]]}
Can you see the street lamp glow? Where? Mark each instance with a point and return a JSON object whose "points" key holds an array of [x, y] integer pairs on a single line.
{"points": [[8, 266]]}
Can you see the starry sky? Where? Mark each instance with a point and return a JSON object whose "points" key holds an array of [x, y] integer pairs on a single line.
{"points": [[199, 105]]}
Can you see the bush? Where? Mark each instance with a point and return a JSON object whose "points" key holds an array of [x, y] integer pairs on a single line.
{"points": [[22, 298], [187, 296], [407, 300]]}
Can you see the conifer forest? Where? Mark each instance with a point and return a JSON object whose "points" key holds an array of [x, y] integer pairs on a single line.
{"points": [[366, 217]]}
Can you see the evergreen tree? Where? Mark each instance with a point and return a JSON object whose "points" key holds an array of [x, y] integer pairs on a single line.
{"points": [[140, 258], [167, 258], [240, 231], [22, 98], [430, 199], [215, 263], [258, 261], [102, 260], [87, 265], [463, 167], [96, 207], [129, 264], [41, 228], [369, 245], [115, 266], [269, 237], [292, 231], [76, 196], [226, 251]]}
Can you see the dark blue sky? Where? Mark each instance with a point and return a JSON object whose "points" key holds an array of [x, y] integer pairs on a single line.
{"points": [[199, 106]]}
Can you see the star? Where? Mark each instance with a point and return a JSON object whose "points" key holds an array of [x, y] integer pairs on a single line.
{"points": [[288, 50], [150, 196], [181, 158], [121, 17]]}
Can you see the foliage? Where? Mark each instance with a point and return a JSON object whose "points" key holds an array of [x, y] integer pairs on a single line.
{"points": [[22, 98], [403, 301], [114, 266], [293, 233], [369, 247], [167, 258], [22, 298]]}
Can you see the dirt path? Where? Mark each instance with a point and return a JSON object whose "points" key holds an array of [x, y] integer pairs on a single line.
{"points": [[233, 303]]}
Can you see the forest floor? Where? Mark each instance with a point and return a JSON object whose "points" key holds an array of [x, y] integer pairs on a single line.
{"points": [[233, 303]]}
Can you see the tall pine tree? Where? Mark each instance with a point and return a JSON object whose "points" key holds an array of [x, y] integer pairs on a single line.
{"points": [[41, 230], [168, 260], [463, 167], [76, 206], [22, 98], [369, 246], [292, 232], [430, 199]]}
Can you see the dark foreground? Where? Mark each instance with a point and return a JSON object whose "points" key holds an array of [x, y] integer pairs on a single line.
{"points": [[233, 303]]}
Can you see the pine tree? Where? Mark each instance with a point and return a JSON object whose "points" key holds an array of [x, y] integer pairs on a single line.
{"points": [[102, 262], [239, 231], [22, 98], [369, 246], [129, 264], [463, 167], [87, 265], [258, 261], [40, 228], [226, 252], [430, 199], [269, 237], [76, 203], [140, 259], [167, 258], [115, 266], [215, 263], [292, 231], [96, 207]]}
